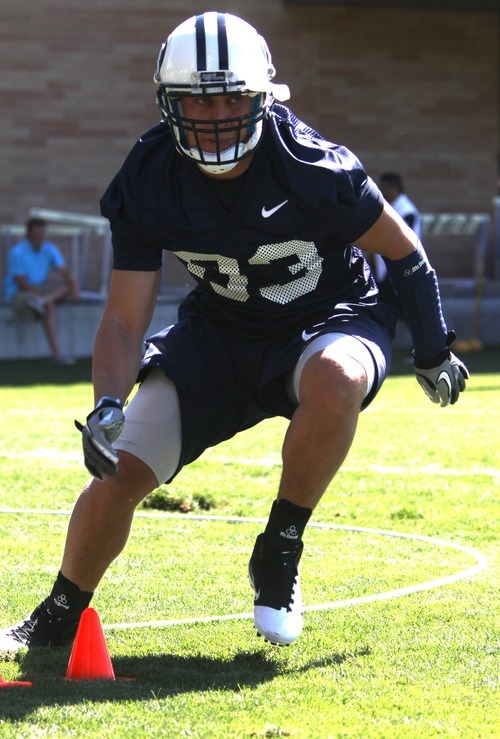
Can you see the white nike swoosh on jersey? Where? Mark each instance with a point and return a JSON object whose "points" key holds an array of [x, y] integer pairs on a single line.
{"points": [[306, 336], [266, 213]]}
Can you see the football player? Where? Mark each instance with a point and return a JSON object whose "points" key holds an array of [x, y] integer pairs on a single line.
{"points": [[270, 219]]}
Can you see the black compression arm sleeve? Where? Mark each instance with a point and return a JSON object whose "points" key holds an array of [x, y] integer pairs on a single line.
{"points": [[416, 284]]}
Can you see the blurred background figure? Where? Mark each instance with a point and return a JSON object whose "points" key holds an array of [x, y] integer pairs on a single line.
{"points": [[392, 188], [37, 279]]}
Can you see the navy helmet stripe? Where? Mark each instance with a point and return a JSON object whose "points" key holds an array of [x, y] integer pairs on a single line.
{"points": [[222, 39], [201, 43]]}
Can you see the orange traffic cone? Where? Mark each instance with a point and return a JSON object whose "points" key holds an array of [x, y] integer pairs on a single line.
{"points": [[89, 659], [14, 683]]}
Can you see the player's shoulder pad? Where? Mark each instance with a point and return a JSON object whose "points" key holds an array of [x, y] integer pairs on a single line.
{"points": [[308, 146], [329, 171]]}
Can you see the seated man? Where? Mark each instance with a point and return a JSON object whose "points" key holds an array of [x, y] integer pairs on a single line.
{"points": [[38, 278]]}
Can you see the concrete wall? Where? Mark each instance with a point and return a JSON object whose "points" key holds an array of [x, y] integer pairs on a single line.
{"points": [[77, 325]]}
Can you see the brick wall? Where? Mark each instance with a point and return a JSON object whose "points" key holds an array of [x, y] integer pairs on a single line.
{"points": [[415, 91]]}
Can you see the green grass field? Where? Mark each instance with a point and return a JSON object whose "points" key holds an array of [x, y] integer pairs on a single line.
{"points": [[420, 665]]}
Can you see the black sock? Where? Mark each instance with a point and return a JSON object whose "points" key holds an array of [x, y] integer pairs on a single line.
{"points": [[66, 601], [286, 523]]}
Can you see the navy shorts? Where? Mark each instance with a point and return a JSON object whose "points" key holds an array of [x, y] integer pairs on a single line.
{"points": [[229, 379]]}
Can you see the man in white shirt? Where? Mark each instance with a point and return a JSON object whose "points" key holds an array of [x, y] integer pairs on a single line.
{"points": [[392, 188]]}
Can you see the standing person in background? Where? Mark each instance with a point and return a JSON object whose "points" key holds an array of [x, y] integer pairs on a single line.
{"points": [[392, 188], [37, 279]]}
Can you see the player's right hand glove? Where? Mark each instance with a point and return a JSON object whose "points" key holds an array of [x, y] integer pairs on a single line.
{"points": [[442, 378], [102, 428]]}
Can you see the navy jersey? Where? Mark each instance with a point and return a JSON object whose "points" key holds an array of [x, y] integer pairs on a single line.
{"points": [[284, 248]]}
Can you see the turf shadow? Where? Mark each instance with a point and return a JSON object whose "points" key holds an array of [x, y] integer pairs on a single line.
{"points": [[25, 372], [145, 678]]}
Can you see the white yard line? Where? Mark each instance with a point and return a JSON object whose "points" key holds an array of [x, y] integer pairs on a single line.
{"points": [[75, 456], [481, 564]]}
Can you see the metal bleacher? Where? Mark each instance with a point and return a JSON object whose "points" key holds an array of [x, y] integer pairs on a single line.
{"points": [[457, 245]]}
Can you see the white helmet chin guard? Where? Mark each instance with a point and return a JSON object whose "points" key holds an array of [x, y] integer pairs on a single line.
{"points": [[216, 54]]}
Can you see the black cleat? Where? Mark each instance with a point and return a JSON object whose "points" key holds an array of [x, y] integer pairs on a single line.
{"points": [[274, 576], [39, 630]]}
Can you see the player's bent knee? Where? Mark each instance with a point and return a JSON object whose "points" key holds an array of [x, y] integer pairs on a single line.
{"points": [[330, 381], [135, 475], [338, 364], [133, 481]]}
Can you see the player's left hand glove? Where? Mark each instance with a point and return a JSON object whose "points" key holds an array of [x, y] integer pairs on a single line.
{"points": [[103, 427], [443, 377]]}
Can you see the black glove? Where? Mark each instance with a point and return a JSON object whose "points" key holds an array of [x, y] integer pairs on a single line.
{"points": [[443, 377], [103, 427]]}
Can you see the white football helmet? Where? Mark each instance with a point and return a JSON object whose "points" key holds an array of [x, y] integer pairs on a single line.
{"points": [[216, 54]]}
